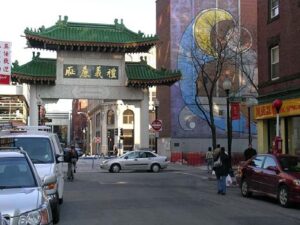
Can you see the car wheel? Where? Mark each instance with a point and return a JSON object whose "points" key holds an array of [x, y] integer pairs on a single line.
{"points": [[155, 168], [55, 212], [283, 196], [115, 168], [245, 189]]}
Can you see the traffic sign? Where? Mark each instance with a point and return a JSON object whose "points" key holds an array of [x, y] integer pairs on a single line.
{"points": [[157, 125]]}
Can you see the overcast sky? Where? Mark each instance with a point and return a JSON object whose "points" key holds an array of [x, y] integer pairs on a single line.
{"points": [[16, 15]]}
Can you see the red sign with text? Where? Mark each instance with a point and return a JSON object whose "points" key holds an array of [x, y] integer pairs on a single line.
{"points": [[4, 79], [235, 111]]}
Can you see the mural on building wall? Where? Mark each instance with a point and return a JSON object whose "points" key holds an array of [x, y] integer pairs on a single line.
{"points": [[192, 31]]}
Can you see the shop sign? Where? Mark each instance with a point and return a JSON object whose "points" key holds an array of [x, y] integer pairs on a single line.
{"points": [[289, 108], [91, 71], [5, 62]]}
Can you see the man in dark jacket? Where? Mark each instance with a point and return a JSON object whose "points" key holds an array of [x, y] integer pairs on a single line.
{"points": [[249, 152], [222, 168]]}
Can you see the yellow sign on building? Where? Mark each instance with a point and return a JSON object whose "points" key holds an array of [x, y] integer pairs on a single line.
{"points": [[289, 107]]}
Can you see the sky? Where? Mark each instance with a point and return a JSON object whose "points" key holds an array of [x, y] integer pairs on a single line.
{"points": [[16, 15]]}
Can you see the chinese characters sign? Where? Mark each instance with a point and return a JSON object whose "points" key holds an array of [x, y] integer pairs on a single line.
{"points": [[5, 62], [91, 72], [289, 107]]}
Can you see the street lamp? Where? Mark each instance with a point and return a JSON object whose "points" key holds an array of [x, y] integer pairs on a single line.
{"points": [[227, 87], [39, 104], [156, 105], [251, 101], [277, 142]]}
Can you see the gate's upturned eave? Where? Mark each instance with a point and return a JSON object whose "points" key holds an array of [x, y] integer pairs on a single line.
{"points": [[37, 71], [89, 37], [139, 74]]}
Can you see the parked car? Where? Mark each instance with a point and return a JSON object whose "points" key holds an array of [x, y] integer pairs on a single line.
{"points": [[277, 176], [136, 160], [44, 150], [22, 198]]}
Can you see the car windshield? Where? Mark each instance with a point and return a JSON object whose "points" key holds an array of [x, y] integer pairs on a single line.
{"points": [[38, 149], [290, 164], [16, 173]]}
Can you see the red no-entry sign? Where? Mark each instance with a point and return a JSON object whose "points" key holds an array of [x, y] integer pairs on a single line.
{"points": [[157, 125]]}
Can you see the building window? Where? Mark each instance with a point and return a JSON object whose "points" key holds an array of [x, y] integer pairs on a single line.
{"points": [[110, 117], [274, 62], [274, 8], [128, 117], [98, 120]]}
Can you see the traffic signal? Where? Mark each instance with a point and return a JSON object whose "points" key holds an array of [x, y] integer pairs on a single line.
{"points": [[121, 131], [116, 131]]}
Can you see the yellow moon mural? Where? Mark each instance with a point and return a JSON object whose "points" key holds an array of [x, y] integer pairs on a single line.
{"points": [[204, 23]]}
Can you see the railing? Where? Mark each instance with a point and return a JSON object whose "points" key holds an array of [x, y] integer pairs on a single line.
{"points": [[198, 158]]}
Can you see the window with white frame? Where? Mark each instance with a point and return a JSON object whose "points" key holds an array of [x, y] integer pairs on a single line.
{"points": [[274, 62], [274, 8], [128, 116]]}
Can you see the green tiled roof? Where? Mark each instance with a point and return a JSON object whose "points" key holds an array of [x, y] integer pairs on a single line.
{"points": [[91, 37], [139, 74], [39, 70]]}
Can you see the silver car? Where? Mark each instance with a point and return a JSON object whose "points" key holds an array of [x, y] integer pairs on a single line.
{"points": [[136, 160], [22, 198]]}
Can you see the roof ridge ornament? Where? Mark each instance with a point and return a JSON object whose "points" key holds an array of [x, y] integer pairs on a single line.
{"points": [[143, 60], [61, 22], [141, 34], [119, 26], [37, 56]]}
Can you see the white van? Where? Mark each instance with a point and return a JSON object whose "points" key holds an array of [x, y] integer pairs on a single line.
{"points": [[45, 152]]}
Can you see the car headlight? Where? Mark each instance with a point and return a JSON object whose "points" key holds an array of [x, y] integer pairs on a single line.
{"points": [[105, 162], [297, 182], [37, 217]]}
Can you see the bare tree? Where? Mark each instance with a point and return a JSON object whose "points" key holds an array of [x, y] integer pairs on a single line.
{"points": [[225, 56]]}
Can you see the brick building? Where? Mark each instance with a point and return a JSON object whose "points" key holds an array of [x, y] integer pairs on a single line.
{"points": [[279, 73], [184, 128]]}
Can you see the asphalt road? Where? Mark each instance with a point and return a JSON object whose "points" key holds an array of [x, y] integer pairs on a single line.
{"points": [[178, 195]]}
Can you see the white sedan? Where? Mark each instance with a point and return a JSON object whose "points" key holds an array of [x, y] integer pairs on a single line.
{"points": [[136, 160]]}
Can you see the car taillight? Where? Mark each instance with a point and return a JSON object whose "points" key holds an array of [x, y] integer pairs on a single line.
{"points": [[239, 171]]}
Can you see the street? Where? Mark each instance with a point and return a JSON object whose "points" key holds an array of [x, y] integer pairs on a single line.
{"points": [[178, 195]]}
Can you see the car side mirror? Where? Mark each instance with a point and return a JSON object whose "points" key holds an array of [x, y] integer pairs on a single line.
{"points": [[47, 180], [273, 168], [126, 157]]}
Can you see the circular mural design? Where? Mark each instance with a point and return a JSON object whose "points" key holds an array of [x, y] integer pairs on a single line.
{"points": [[197, 41]]}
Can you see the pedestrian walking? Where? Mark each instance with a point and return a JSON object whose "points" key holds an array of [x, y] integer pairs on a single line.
{"points": [[249, 152], [209, 158], [221, 168], [216, 151], [72, 158]]}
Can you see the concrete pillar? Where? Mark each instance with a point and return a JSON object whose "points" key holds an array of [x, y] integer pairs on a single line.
{"points": [[262, 136], [144, 121], [33, 104], [104, 148]]}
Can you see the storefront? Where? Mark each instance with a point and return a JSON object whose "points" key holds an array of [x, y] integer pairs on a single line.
{"points": [[289, 115]]}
